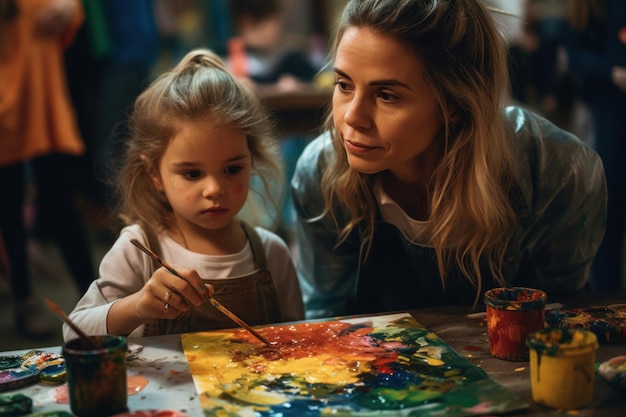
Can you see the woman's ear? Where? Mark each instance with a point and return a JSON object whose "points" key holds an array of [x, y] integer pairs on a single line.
{"points": [[152, 172]]}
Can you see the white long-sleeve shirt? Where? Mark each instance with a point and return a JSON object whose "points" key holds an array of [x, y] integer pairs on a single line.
{"points": [[125, 269]]}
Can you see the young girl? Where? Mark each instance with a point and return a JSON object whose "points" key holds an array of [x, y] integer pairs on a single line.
{"points": [[197, 137]]}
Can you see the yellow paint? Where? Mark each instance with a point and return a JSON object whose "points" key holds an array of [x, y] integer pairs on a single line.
{"points": [[214, 370], [562, 374]]}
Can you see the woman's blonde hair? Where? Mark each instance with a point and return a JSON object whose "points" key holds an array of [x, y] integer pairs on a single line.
{"points": [[199, 89], [465, 64]]}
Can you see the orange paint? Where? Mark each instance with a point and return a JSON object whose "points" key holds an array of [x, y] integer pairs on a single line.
{"points": [[135, 384]]}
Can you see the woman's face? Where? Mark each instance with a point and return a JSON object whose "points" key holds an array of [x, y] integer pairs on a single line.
{"points": [[384, 112]]}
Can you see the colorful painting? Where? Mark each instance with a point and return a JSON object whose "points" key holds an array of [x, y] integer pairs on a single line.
{"points": [[388, 365]]}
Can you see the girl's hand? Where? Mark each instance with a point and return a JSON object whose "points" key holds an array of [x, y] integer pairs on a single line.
{"points": [[167, 296]]}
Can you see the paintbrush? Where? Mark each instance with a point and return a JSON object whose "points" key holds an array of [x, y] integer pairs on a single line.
{"points": [[483, 314], [213, 301], [57, 310]]}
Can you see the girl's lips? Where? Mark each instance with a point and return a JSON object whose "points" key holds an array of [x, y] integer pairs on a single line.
{"points": [[216, 211], [357, 148]]}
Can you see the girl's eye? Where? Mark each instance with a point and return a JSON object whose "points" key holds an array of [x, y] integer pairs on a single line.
{"points": [[233, 170], [192, 175]]}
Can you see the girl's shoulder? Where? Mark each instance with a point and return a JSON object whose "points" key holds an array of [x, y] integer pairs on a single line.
{"points": [[270, 240]]}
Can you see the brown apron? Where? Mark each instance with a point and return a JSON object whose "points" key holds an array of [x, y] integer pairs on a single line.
{"points": [[252, 297]]}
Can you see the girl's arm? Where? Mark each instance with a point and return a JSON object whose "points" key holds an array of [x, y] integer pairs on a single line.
{"points": [[127, 294]]}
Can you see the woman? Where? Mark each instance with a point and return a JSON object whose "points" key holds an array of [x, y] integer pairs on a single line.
{"points": [[425, 189]]}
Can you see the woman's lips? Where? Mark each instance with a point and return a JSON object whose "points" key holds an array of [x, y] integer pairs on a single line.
{"points": [[357, 148]]}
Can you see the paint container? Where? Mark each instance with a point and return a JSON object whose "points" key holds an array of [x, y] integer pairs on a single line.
{"points": [[562, 367], [512, 314], [96, 378]]}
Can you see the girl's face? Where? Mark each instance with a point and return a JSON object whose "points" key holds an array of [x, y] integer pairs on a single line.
{"points": [[384, 112], [205, 174]]}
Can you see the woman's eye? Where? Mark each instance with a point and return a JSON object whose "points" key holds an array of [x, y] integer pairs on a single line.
{"points": [[341, 85], [233, 170], [387, 97], [191, 175]]}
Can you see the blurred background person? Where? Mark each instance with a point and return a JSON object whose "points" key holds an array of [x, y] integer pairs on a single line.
{"points": [[258, 49], [126, 70], [260, 52], [597, 56], [547, 22], [40, 145]]}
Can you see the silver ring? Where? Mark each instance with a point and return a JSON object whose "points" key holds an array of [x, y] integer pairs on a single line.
{"points": [[166, 306]]}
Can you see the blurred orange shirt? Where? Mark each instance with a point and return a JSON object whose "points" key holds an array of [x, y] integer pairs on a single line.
{"points": [[36, 114]]}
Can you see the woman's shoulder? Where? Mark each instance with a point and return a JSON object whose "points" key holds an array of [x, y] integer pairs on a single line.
{"points": [[315, 156], [552, 160], [535, 134]]}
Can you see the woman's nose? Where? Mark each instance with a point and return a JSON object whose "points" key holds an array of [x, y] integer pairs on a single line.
{"points": [[357, 113]]}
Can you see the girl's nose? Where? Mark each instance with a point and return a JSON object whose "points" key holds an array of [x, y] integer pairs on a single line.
{"points": [[212, 188]]}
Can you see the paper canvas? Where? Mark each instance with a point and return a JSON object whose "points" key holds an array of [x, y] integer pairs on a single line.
{"points": [[388, 365]]}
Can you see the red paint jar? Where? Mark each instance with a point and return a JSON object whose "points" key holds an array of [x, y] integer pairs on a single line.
{"points": [[513, 314]]}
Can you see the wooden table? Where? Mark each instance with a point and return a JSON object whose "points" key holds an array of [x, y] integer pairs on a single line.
{"points": [[161, 360], [461, 333]]}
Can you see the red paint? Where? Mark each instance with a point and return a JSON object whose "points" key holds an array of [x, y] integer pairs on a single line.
{"points": [[512, 314], [508, 330], [472, 348], [334, 338], [237, 189], [61, 395]]}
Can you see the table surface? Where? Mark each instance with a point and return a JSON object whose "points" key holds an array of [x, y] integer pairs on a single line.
{"points": [[161, 360]]}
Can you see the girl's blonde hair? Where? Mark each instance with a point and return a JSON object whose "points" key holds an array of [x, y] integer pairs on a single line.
{"points": [[465, 64], [199, 89]]}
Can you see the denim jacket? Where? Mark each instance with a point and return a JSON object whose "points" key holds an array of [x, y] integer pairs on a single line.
{"points": [[560, 201]]}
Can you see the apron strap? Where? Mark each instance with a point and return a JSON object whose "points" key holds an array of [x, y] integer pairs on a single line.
{"points": [[258, 251]]}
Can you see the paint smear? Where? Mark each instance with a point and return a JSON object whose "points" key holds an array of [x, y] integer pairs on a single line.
{"points": [[134, 385]]}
